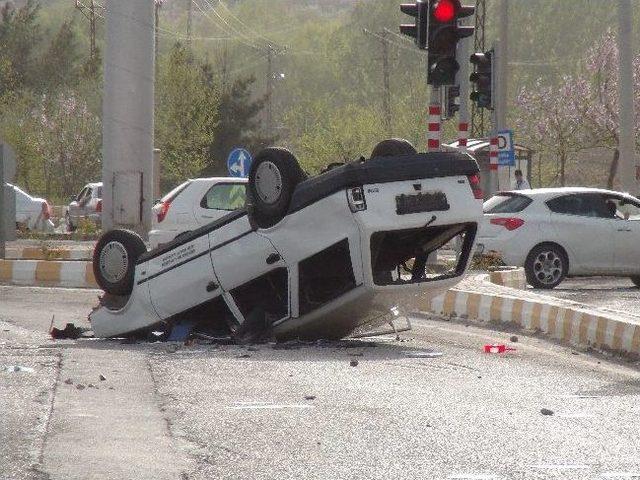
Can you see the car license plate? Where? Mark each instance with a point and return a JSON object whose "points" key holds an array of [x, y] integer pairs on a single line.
{"points": [[422, 202]]}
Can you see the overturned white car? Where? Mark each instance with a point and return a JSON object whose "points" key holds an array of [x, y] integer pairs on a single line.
{"points": [[308, 258]]}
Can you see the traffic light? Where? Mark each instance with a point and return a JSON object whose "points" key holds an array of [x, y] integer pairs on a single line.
{"points": [[482, 77], [419, 10], [451, 103], [444, 33]]}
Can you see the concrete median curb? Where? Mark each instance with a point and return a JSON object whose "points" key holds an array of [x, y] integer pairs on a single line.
{"points": [[48, 273], [44, 253], [568, 322]]}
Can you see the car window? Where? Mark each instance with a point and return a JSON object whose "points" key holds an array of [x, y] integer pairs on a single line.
{"points": [[82, 193], [225, 197], [511, 203], [584, 205], [99, 192], [626, 209]]}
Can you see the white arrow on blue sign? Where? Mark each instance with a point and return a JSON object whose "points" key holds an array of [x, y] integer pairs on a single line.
{"points": [[506, 150], [239, 162]]}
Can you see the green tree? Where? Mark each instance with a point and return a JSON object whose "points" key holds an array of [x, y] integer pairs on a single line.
{"points": [[186, 115], [60, 65], [238, 125], [19, 38]]}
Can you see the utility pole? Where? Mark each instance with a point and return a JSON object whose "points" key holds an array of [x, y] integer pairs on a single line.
{"points": [[270, 52], [189, 20], [382, 36], [628, 168], [89, 12], [494, 177], [158, 5], [477, 114], [463, 81], [128, 107], [503, 66], [386, 99]]}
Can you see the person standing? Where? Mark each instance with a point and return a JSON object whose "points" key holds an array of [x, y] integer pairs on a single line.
{"points": [[521, 183]]}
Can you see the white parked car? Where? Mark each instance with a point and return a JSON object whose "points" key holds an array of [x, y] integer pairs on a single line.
{"points": [[193, 204], [308, 257], [86, 205], [555, 232], [32, 213]]}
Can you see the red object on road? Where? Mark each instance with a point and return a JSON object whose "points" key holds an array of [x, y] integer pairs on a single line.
{"points": [[498, 349]]}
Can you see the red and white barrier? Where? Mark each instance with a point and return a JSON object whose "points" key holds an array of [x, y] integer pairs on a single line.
{"points": [[463, 135], [493, 154], [433, 139]]}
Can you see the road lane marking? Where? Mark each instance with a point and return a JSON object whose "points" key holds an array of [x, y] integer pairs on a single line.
{"points": [[473, 476], [561, 466]]}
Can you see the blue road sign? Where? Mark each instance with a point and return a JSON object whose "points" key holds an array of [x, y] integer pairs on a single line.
{"points": [[239, 162], [506, 150]]}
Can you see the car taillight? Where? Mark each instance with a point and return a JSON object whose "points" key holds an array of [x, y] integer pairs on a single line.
{"points": [[510, 223], [99, 206], [355, 197], [474, 182], [46, 211], [162, 211]]}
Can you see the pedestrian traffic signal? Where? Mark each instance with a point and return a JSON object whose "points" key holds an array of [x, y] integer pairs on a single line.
{"points": [[444, 33], [482, 77], [419, 10]]}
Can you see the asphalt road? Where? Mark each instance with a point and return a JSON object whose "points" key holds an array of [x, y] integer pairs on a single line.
{"points": [[403, 411], [609, 293]]}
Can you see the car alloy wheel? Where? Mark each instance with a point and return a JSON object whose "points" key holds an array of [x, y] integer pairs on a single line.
{"points": [[548, 267], [268, 182], [114, 262]]}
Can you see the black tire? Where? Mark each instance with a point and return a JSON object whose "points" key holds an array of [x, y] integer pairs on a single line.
{"points": [[274, 175], [393, 147], [546, 266], [114, 260], [636, 281]]}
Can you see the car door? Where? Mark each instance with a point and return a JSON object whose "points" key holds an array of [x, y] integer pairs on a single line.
{"points": [[85, 203], [182, 278], [584, 228], [74, 207], [218, 201], [250, 270], [23, 211], [627, 235]]}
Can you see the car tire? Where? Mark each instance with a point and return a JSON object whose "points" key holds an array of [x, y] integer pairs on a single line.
{"points": [[636, 280], [114, 261], [274, 175], [393, 147], [546, 266]]}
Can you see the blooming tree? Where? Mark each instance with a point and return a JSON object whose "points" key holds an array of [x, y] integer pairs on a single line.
{"points": [[582, 112]]}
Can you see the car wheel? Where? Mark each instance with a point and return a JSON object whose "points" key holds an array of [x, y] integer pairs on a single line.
{"points": [[274, 175], [546, 266], [393, 147], [114, 260], [636, 281]]}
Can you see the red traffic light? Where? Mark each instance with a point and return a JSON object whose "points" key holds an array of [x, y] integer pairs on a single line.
{"points": [[444, 11]]}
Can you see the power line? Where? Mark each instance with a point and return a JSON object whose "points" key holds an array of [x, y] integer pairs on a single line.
{"points": [[248, 28], [229, 29]]}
